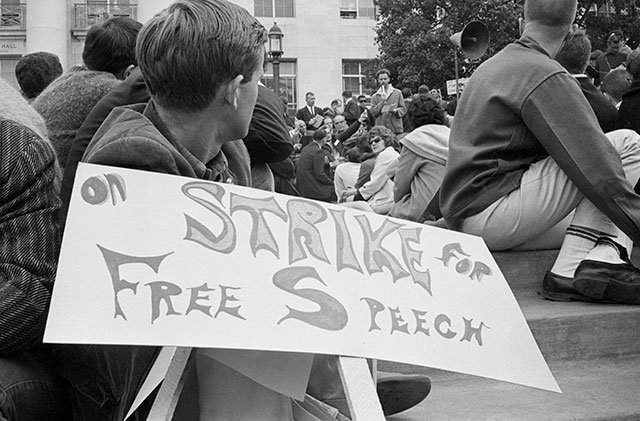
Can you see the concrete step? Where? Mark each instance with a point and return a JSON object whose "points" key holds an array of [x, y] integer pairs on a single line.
{"points": [[593, 351], [606, 389]]}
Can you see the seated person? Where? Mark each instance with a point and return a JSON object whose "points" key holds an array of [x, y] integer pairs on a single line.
{"points": [[422, 159], [574, 56], [312, 181], [201, 99], [346, 173], [377, 193], [29, 247], [526, 152], [629, 112]]}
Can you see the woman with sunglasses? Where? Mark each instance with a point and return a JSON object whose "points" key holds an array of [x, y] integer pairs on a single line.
{"points": [[376, 195]]}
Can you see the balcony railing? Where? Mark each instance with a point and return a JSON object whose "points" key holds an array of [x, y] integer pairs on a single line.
{"points": [[13, 16], [90, 13]]}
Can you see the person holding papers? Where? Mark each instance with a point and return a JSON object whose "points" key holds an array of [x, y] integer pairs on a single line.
{"points": [[387, 105]]}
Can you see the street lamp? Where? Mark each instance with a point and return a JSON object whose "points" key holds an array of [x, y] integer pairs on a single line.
{"points": [[275, 52]]}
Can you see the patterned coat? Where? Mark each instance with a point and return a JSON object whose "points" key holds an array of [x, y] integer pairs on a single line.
{"points": [[29, 235]]}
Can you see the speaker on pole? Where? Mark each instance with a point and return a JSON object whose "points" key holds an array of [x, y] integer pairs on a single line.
{"points": [[473, 40]]}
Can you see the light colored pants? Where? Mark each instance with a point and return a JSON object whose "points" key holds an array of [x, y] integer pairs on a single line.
{"points": [[536, 215]]}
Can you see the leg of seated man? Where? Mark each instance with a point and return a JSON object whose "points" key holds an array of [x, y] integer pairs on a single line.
{"points": [[546, 196], [29, 390]]}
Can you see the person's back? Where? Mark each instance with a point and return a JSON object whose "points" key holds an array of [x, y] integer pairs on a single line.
{"points": [[493, 146]]}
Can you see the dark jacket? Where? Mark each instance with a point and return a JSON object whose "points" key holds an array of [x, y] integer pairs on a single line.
{"points": [[352, 111], [606, 112], [304, 115], [311, 180], [629, 111], [531, 109]]}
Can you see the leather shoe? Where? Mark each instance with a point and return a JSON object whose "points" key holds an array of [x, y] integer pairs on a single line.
{"points": [[613, 282], [398, 393], [561, 288]]}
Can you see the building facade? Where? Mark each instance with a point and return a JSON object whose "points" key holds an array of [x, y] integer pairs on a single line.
{"points": [[325, 42]]}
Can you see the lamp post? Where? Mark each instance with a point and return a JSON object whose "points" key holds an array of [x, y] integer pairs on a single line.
{"points": [[275, 52]]}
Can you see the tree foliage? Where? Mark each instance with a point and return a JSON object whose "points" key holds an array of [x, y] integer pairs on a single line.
{"points": [[413, 35]]}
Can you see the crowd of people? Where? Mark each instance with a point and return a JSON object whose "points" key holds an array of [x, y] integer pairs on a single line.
{"points": [[541, 151]]}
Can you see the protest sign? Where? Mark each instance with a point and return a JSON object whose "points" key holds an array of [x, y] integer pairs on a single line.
{"points": [[451, 85], [155, 259]]}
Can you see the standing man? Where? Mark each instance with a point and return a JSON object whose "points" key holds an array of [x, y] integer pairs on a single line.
{"points": [[351, 109], [387, 105], [311, 115], [526, 150], [611, 58]]}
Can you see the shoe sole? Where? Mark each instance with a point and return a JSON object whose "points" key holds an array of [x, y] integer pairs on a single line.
{"points": [[400, 393], [566, 297], [611, 289]]}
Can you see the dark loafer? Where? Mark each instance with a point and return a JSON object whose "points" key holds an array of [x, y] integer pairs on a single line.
{"points": [[561, 288], [615, 282], [401, 392]]}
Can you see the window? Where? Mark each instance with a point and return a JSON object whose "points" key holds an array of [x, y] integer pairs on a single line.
{"points": [[288, 85], [12, 13], [352, 9], [8, 71], [273, 8], [353, 79]]}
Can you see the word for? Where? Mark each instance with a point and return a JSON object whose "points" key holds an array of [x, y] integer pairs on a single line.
{"points": [[464, 265]]}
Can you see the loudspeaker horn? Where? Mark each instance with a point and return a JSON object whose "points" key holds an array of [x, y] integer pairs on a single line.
{"points": [[473, 39]]}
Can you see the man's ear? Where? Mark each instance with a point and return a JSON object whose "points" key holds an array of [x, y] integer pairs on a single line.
{"points": [[125, 72], [230, 91]]}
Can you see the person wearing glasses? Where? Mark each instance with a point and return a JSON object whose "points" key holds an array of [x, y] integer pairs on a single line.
{"points": [[376, 195]]}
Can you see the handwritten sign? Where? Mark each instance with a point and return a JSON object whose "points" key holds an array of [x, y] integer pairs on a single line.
{"points": [[154, 259]]}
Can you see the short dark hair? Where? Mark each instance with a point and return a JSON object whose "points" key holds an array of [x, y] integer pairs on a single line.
{"points": [[426, 111], [36, 71], [110, 45], [385, 71], [576, 51], [319, 134], [406, 92], [347, 94]]}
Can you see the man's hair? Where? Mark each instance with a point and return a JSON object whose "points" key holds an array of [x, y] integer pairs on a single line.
{"points": [[576, 51], [110, 45], [383, 71], [426, 111], [319, 134], [189, 49], [347, 94], [423, 89], [336, 102], [616, 83], [633, 64], [308, 93], [553, 13], [36, 71], [406, 92]]}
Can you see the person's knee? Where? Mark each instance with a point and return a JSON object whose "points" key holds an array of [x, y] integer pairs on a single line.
{"points": [[623, 139]]}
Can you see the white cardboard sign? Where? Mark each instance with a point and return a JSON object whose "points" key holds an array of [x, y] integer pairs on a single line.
{"points": [[154, 259]]}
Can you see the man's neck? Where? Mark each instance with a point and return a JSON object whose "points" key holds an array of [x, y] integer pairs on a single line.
{"points": [[192, 130]]}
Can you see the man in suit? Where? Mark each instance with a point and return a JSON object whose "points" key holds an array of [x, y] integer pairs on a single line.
{"points": [[352, 110], [312, 181], [310, 114]]}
